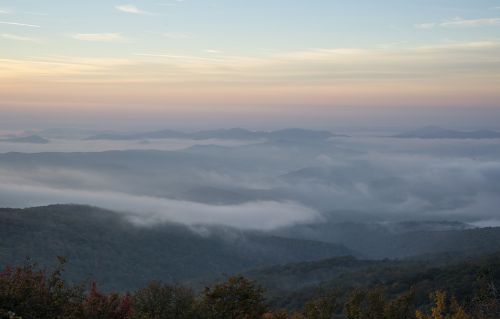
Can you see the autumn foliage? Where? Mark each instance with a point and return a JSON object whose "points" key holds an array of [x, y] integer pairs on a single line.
{"points": [[28, 292]]}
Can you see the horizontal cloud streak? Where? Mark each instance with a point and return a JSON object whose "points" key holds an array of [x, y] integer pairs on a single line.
{"points": [[177, 36], [471, 22], [20, 24], [100, 37], [15, 37], [129, 8], [316, 66], [461, 23]]}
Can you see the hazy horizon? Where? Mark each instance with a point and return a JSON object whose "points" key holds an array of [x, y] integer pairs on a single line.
{"points": [[365, 121]]}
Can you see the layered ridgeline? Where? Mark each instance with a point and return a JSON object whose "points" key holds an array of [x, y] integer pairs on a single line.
{"points": [[434, 132], [232, 133], [102, 245], [376, 240], [30, 139]]}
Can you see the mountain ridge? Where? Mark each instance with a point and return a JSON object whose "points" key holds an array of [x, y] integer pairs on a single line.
{"points": [[231, 133], [30, 139], [101, 244]]}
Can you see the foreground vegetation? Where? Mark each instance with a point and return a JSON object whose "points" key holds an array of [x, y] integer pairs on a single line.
{"points": [[290, 286], [31, 292]]}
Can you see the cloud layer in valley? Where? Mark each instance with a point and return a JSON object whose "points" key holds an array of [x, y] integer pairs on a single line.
{"points": [[252, 186]]}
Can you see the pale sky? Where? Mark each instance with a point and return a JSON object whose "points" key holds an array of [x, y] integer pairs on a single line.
{"points": [[226, 59]]}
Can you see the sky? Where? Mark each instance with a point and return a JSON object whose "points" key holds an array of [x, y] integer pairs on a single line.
{"points": [[249, 63]]}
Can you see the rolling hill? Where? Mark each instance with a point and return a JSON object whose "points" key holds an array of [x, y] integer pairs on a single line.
{"points": [[102, 245]]}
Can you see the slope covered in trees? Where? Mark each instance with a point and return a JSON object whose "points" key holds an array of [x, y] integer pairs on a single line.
{"points": [[292, 285], [401, 239], [101, 244]]}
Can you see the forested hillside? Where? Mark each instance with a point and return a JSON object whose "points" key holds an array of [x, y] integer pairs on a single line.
{"points": [[291, 285], [102, 245]]}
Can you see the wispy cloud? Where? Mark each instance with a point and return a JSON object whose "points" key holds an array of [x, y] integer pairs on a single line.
{"points": [[183, 58], [461, 23], [20, 24], [130, 8], [170, 4], [66, 68], [212, 51], [394, 44], [36, 13], [177, 36], [428, 25], [14, 37], [314, 66], [459, 46], [5, 11], [100, 37]]}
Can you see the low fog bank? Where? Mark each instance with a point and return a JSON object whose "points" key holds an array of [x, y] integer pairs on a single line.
{"points": [[262, 184], [147, 210]]}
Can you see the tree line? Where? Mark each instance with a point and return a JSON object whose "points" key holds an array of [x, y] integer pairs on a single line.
{"points": [[30, 292]]}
